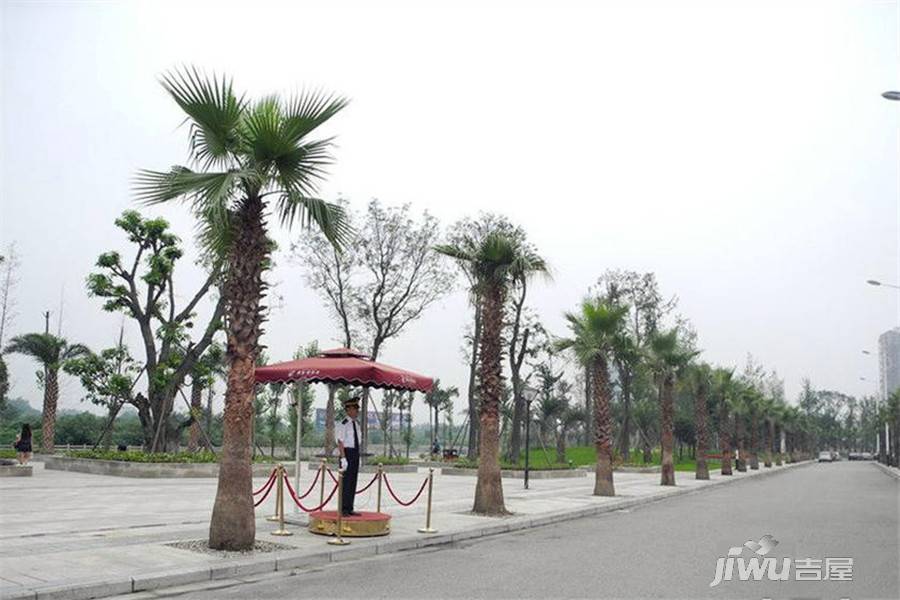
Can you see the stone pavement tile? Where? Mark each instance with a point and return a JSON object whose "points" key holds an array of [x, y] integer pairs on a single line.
{"points": [[302, 561], [169, 578], [241, 568], [77, 591]]}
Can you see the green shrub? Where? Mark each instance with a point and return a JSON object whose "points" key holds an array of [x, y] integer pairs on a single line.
{"points": [[6, 453], [157, 457], [388, 460], [465, 463]]}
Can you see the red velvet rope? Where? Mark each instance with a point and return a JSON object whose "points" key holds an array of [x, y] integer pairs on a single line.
{"points": [[271, 484], [311, 486], [266, 484], [297, 500], [368, 485], [331, 474], [399, 501]]}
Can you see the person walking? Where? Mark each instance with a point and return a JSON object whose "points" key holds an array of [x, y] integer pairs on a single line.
{"points": [[23, 445], [348, 447]]}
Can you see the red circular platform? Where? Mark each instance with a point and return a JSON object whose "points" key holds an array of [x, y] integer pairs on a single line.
{"points": [[365, 524]]}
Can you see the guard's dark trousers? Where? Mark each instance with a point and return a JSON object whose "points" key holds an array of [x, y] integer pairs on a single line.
{"points": [[348, 492]]}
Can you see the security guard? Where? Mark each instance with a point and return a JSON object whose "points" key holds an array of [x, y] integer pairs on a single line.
{"points": [[348, 446]]}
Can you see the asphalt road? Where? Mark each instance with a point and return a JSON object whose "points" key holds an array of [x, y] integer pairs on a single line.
{"points": [[667, 549]]}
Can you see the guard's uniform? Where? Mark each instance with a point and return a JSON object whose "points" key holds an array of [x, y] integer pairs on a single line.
{"points": [[348, 435]]}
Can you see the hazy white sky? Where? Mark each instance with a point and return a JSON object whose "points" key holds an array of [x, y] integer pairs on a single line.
{"points": [[740, 150]]}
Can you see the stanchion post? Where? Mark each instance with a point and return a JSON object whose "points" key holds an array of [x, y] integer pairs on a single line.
{"points": [[428, 528], [322, 472], [278, 492], [280, 503], [380, 474], [339, 540]]}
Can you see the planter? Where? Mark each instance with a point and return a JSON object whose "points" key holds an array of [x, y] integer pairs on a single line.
{"points": [[15, 470], [118, 468], [520, 474], [313, 467]]}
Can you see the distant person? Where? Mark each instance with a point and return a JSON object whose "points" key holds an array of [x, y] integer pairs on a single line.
{"points": [[23, 445]]}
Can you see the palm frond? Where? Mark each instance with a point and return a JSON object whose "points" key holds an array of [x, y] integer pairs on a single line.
{"points": [[307, 111], [331, 219], [214, 111]]}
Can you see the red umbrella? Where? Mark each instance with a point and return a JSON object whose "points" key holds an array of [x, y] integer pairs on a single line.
{"points": [[344, 366]]}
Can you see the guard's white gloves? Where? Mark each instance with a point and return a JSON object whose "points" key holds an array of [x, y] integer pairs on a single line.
{"points": [[342, 465]]}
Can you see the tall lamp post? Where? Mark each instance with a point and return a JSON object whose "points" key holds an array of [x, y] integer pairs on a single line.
{"points": [[895, 96], [529, 394]]}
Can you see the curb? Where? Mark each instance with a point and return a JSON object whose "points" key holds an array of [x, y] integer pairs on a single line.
{"points": [[294, 562], [890, 471]]}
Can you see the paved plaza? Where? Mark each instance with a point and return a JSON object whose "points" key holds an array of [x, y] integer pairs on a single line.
{"points": [[83, 535]]}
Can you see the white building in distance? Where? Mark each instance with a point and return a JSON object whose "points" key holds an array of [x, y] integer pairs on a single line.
{"points": [[889, 362]]}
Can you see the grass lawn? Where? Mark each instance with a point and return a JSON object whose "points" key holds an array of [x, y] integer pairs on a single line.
{"points": [[586, 455]]}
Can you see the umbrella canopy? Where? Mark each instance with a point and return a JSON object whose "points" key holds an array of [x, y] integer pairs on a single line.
{"points": [[344, 366]]}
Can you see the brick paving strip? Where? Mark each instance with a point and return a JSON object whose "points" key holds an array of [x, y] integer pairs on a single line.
{"points": [[75, 536]]}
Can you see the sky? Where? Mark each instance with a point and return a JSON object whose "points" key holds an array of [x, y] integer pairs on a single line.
{"points": [[740, 150]]}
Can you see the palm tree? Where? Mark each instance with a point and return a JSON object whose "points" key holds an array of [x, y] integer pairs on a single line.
{"points": [[723, 390], [595, 330], [439, 399], [699, 378], [496, 260], [754, 401], [626, 356], [52, 352], [252, 159], [668, 360]]}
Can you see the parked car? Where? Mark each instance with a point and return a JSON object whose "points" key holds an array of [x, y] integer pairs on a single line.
{"points": [[825, 456], [866, 456], [854, 456]]}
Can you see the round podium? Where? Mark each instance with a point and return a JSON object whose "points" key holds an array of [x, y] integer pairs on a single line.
{"points": [[365, 524]]}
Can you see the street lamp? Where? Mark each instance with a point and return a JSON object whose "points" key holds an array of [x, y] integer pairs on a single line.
{"points": [[529, 393], [891, 95], [880, 283], [866, 352]]}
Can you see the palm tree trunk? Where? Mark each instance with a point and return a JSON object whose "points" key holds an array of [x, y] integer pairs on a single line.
{"points": [[625, 440], [489, 488], [667, 433], [702, 470], [769, 436], [603, 435], [196, 410], [725, 440], [588, 410], [778, 445], [51, 397], [329, 421], [741, 462], [233, 523], [754, 442], [472, 451]]}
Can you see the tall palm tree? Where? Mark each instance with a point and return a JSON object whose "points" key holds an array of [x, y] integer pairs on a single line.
{"points": [[248, 161], [765, 411], [439, 399], [495, 260], [52, 352], [626, 356], [700, 378], [723, 391], [668, 359], [595, 330], [754, 402]]}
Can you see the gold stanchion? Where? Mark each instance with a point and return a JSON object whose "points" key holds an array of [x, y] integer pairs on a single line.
{"points": [[427, 528], [280, 500], [322, 473], [338, 540], [380, 473], [278, 492]]}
